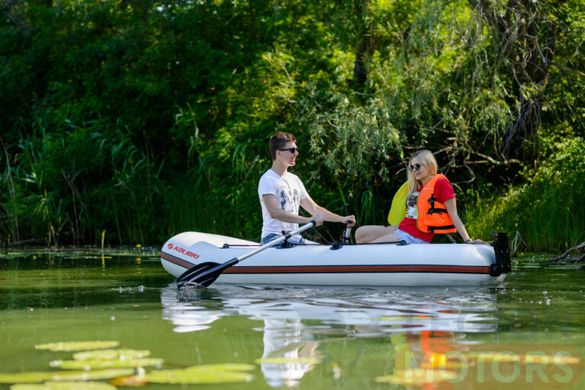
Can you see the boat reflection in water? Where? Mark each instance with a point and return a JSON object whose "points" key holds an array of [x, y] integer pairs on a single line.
{"points": [[422, 323]]}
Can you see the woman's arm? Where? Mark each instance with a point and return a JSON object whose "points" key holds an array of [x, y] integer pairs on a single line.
{"points": [[451, 205]]}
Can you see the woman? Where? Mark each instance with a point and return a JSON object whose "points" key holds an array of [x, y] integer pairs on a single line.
{"points": [[431, 207]]}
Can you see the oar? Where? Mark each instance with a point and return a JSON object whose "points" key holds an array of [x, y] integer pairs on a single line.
{"points": [[203, 274]]}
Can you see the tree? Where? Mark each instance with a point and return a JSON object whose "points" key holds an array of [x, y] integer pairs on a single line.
{"points": [[524, 38]]}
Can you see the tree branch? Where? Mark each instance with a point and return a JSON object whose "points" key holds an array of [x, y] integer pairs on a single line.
{"points": [[565, 256]]}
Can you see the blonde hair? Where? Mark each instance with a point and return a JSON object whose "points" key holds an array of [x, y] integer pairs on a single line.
{"points": [[426, 159]]}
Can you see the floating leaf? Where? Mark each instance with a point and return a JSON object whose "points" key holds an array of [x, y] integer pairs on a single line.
{"points": [[129, 381], [65, 386], [223, 367], [36, 377], [284, 360], [25, 377], [417, 377], [100, 364], [71, 346], [185, 377], [111, 354], [528, 358], [91, 375], [495, 356], [206, 374], [551, 359]]}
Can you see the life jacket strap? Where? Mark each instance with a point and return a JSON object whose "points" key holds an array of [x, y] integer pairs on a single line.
{"points": [[436, 210], [433, 209], [433, 229]]}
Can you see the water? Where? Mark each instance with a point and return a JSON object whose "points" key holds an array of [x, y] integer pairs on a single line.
{"points": [[526, 333]]}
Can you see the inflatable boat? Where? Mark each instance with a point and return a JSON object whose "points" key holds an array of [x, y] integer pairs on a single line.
{"points": [[386, 264]]}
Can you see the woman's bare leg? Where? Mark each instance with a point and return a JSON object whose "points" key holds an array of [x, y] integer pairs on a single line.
{"points": [[372, 233], [390, 237]]}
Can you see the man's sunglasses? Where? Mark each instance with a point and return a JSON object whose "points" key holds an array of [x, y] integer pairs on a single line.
{"points": [[415, 167], [292, 150]]}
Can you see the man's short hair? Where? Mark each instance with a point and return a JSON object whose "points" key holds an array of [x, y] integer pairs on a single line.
{"points": [[279, 141]]}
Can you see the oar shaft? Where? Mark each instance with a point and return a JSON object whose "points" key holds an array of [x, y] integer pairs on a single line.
{"points": [[275, 242], [203, 275]]}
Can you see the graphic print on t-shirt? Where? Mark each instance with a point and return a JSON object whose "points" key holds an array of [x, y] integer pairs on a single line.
{"points": [[289, 199], [411, 210]]}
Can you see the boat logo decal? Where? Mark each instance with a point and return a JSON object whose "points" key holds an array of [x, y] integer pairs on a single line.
{"points": [[183, 251]]}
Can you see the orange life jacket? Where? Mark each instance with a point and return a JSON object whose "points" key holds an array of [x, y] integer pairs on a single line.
{"points": [[432, 214]]}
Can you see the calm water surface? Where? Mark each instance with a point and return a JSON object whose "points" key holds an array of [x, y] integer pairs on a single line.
{"points": [[525, 333]]}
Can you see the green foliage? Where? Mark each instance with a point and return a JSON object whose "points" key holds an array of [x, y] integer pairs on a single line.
{"points": [[547, 211], [144, 119], [68, 187]]}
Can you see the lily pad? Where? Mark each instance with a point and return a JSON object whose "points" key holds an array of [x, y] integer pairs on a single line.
{"points": [[223, 367], [25, 377], [129, 381], [205, 374], [186, 377], [111, 354], [508, 357], [551, 359], [37, 377], [284, 360], [417, 377], [71, 346], [101, 364], [64, 386], [502, 357]]}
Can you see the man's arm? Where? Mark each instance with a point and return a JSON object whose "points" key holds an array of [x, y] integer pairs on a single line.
{"points": [[315, 210], [285, 216]]}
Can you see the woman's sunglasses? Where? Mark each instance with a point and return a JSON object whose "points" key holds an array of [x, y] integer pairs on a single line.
{"points": [[415, 167]]}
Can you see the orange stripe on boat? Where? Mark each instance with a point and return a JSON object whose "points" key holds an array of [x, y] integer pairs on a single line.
{"points": [[176, 260], [337, 269]]}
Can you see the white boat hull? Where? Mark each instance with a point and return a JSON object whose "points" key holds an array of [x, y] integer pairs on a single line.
{"points": [[322, 265]]}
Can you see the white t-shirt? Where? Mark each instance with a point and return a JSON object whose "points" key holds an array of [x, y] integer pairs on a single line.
{"points": [[289, 190]]}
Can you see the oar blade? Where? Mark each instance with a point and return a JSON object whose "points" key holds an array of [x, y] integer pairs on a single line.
{"points": [[201, 280], [189, 274], [202, 275]]}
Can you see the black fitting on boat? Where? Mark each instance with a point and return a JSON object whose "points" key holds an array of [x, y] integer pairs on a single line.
{"points": [[285, 244], [503, 263], [345, 238]]}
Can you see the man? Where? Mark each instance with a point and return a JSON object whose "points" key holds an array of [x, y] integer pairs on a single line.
{"points": [[281, 193]]}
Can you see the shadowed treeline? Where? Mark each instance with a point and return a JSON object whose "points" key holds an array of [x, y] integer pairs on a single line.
{"points": [[136, 120]]}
